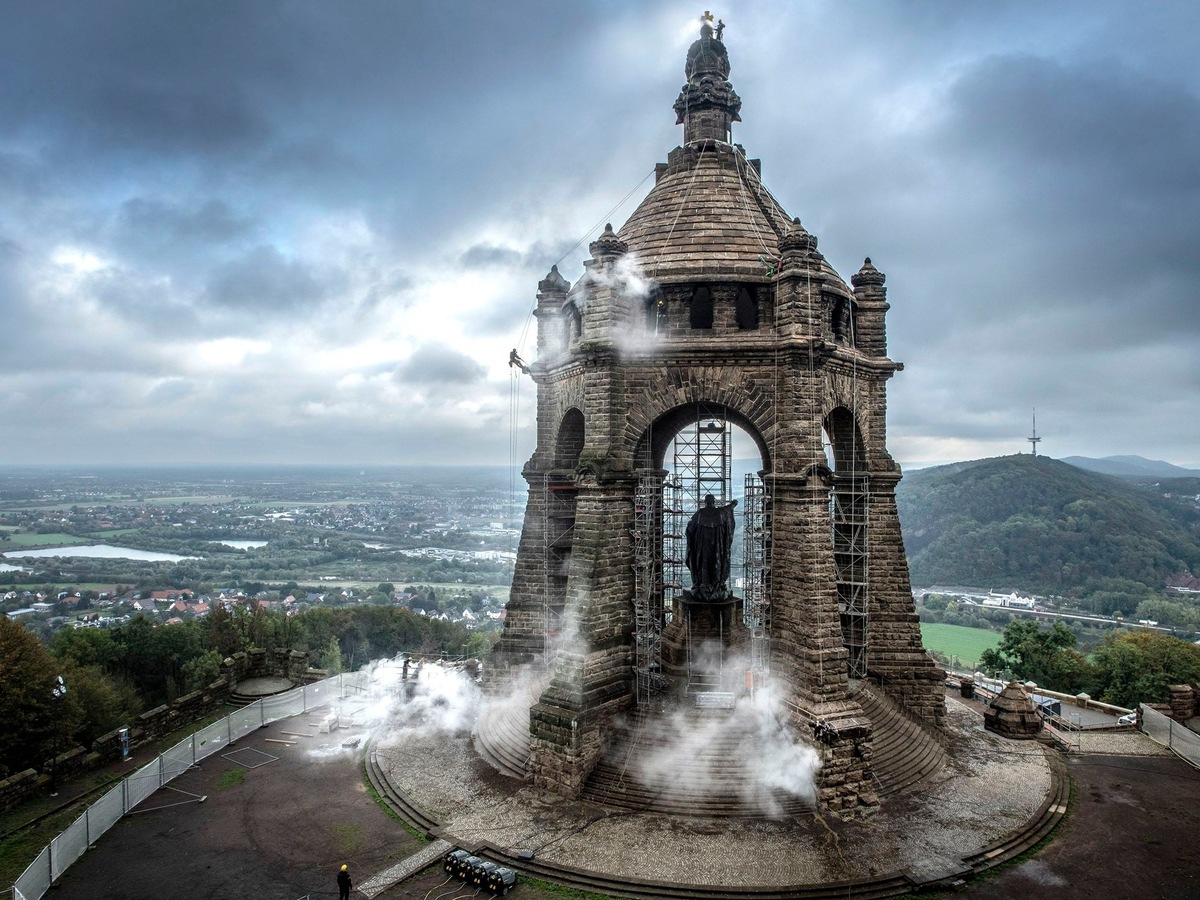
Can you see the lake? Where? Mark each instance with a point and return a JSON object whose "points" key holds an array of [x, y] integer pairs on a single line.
{"points": [[100, 551]]}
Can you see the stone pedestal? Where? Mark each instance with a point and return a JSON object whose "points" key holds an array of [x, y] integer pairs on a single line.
{"points": [[712, 632]]}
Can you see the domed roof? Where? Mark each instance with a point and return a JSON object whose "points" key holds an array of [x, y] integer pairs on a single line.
{"points": [[708, 218], [709, 213]]}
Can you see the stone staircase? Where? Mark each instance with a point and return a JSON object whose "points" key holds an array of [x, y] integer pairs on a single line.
{"points": [[902, 752], [501, 737], [713, 781]]}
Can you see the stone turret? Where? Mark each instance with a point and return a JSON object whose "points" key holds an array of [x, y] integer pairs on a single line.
{"points": [[872, 306], [707, 105], [1013, 714]]}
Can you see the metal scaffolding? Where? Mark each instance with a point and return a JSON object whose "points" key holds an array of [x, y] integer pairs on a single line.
{"points": [[848, 504], [648, 616], [701, 465], [675, 515], [558, 533], [702, 461], [756, 542]]}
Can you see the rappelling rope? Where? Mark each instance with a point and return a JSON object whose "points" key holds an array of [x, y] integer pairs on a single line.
{"points": [[607, 217], [514, 400]]}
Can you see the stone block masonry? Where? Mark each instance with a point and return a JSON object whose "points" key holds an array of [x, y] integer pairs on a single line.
{"points": [[710, 300]]}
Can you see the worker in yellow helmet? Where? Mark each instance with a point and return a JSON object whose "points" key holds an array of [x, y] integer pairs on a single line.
{"points": [[343, 880]]}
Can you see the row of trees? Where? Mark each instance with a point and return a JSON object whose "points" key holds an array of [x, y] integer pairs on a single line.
{"points": [[1128, 667], [114, 674]]}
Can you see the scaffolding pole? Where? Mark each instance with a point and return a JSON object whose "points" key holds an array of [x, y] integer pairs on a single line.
{"points": [[756, 542], [558, 535], [648, 586], [848, 505]]}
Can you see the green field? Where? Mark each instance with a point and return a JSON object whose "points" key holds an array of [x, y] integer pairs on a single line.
{"points": [[17, 541], [959, 642]]}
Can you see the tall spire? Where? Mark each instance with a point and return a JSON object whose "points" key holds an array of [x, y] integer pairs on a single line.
{"points": [[708, 104]]}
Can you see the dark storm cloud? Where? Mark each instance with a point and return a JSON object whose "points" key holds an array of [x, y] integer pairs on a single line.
{"points": [[212, 221], [432, 364], [1025, 173], [174, 119], [1101, 172], [264, 280], [490, 256], [146, 303]]}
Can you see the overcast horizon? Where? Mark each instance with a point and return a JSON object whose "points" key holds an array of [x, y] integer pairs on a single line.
{"points": [[302, 233]]}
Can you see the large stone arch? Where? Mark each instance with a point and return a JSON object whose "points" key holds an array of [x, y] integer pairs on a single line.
{"points": [[568, 442], [671, 398]]}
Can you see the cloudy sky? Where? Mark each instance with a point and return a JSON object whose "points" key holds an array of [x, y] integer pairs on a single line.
{"points": [[311, 232]]}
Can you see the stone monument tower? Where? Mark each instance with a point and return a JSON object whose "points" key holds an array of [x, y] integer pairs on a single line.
{"points": [[712, 303]]}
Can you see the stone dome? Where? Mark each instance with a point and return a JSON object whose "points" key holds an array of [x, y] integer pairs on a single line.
{"points": [[709, 216]]}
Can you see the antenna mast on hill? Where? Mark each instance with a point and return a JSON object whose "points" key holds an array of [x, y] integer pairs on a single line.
{"points": [[1033, 439]]}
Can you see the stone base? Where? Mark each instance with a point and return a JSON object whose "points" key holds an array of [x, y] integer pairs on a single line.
{"points": [[842, 734], [714, 632]]}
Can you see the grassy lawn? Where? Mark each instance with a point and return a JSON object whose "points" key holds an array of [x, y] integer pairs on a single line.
{"points": [[959, 641], [115, 532], [17, 541]]}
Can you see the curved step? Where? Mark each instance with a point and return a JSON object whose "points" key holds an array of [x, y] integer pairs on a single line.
{"points": [[501, 733], [902, 751], [725, 786], [397, 800]]}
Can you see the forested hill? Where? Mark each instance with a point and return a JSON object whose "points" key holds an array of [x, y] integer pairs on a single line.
{"points": [[1038, 524]]}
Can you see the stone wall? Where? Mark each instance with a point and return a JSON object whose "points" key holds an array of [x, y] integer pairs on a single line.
{"points": [[258, 663], [149, 727], [1183, 701]]}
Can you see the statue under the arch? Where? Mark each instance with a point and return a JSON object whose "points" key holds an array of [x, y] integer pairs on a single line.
{"points": [[710, 550], [712, 301]]}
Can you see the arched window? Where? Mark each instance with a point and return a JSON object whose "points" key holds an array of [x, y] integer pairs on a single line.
{"points": [[845, 441], [841, 315], [702, 308], [746, 309], [569, 443]]}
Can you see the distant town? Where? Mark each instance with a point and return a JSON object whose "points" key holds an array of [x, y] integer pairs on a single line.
{"points": [[90, 550]]}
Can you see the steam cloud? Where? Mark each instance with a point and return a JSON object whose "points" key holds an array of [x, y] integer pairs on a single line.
{"points": [[774, 764]]}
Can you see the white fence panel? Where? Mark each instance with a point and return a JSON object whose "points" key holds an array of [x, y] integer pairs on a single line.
{"points": [[319, 693], [68, 847], [107, 811], [177, 760], [282, 706], [244, 721], [1156, 725], [35, 880], [142, 783], [1171, 734], [210, 739]]}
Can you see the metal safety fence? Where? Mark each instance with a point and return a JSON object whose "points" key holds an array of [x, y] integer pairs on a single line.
{"points": [[65, 849], [1166, 731]]}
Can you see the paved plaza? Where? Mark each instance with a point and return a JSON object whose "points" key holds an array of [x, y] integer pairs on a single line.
{"points": [[991, 788], [281, 829]]}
